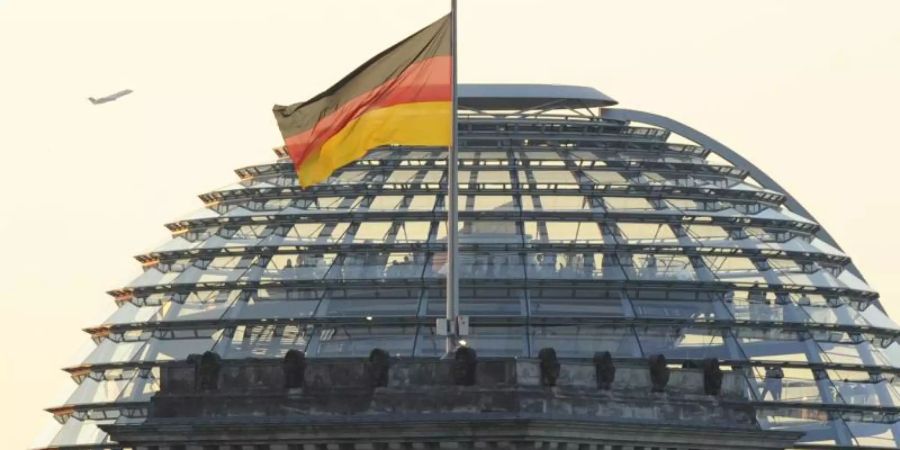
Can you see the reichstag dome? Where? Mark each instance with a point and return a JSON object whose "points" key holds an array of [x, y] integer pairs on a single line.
{"points": [[583, 227]]}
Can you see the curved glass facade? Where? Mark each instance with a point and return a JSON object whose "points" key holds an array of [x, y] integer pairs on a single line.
{"points": [[578, 231]]}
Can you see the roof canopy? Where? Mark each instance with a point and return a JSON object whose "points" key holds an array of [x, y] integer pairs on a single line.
{"points": [[531, 96]]}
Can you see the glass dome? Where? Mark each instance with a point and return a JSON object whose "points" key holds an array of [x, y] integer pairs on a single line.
{"points": [[583, 227]]}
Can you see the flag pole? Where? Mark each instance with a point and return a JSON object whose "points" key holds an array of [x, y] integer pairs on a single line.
{"points": [[453, 201]]}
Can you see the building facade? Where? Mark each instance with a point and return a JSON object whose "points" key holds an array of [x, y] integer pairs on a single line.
{"points": [[583, 227], [461, 403]]}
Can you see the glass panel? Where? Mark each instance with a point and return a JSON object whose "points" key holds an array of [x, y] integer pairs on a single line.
{"points": [[323, 204], [357, 341], [489, 177], [422, 203], [682, 304], [370, 303], [706, 232], [760, 306], [109, 351], [199, 305], [348, 177], [488, 341], [683, 204], [605, 177], [771, 345], [97, 391], [796, 419], [786, 384], [877, 318], [141, 388], [674, 309], [547, 176], [646, 232], [482, 231], [627, 204], [862, 353], [892, 354], [873, 434], [369, 232], [263, 341], [556, 203], [569, 265], [479, 302], [77, 432], [661, 267], [173, 349], [863, 392], [580, 302], [491, 265], [412, 232], [304, 233], [386, 203], [276, 303], [378, 266], [402, 176], [583, 341], [566, 232], [306, 266], [473, 231], [734, 269], [130, 313], [685, 343], [843, 315], [491, 203]]}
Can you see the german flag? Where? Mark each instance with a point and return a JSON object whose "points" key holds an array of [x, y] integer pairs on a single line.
{"points": [[401, 96]]}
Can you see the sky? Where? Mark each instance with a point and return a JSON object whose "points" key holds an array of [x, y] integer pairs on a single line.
{"points": [[807, 90]]}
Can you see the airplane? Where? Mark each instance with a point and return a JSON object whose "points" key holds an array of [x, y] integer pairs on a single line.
{"points": [[110, 98]]}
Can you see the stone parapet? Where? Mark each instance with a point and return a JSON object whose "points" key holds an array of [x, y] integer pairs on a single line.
{"points": [[420, 404]]}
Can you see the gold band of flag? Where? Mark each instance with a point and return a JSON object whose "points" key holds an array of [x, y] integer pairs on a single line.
{"points": [[401, 96]]}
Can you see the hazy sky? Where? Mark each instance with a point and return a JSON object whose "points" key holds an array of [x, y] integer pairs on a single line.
{"points": [[807, 90]]}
